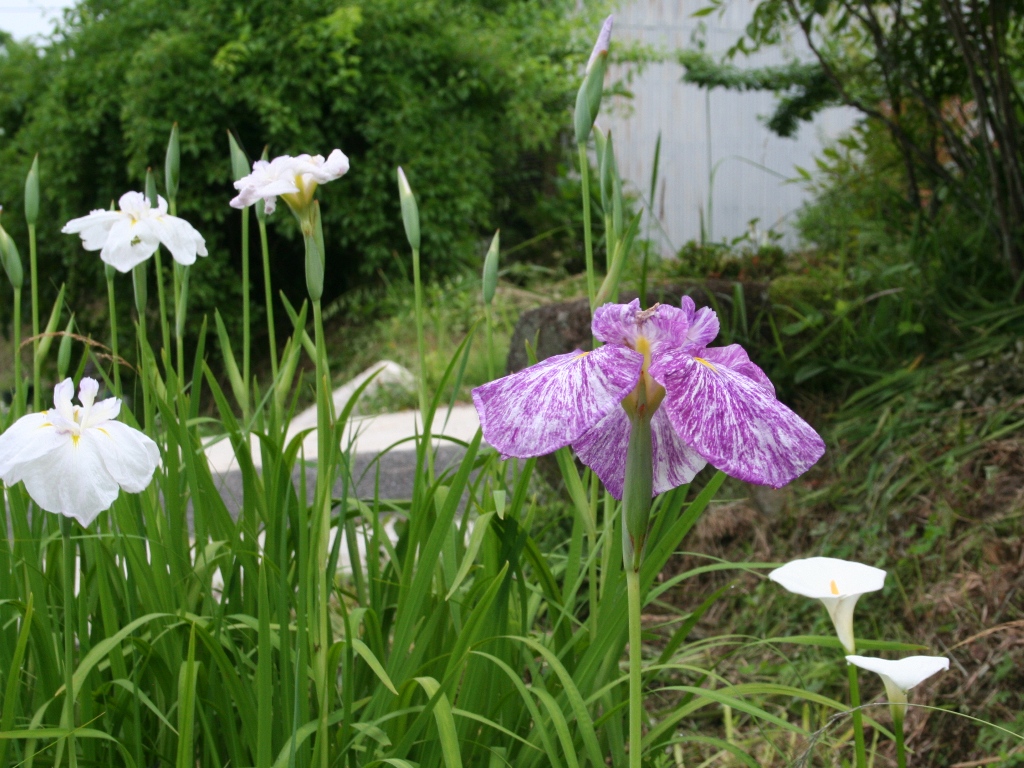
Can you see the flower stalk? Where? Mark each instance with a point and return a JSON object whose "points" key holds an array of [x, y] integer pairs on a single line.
{"points": [[66, 526], [11, 261], [860, 751], [112, 304], [636, 512], [165, 328], [31, 216], [411, 222]]}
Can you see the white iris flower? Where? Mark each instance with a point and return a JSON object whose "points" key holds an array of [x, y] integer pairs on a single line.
{"points": [[74, 459], [293, 178], [129, 236]]}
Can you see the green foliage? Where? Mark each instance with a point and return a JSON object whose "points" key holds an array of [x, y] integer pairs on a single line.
{"points": [[938, 77], [457, 92], [802, 87]]}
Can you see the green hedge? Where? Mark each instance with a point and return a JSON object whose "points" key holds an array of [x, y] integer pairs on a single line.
{"points": [[465, 95]]}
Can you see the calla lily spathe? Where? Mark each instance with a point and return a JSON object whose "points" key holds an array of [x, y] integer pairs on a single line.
{"points": [[706, 405], [902, 675], [130, 235], [837, 583], [294, 179], [74, 459]]}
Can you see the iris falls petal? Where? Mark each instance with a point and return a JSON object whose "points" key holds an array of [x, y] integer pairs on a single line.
{"points": [[734, 422], [552, 404]]}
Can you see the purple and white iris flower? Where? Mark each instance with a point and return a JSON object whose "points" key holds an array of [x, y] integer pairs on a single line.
{"points": [[706, 405]]}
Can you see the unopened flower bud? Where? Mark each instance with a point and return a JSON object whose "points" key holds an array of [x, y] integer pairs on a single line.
{"points": [[490, 277], [410, 211], [32, 193], [172, 164]]}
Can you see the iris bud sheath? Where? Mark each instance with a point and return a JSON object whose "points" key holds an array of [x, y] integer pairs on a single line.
{"points": [[639, 485]]}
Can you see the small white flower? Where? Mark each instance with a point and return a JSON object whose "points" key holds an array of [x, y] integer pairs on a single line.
{"points": [[293, 178], [837, 583], [129, 236], [900, 676], [74, 459]]}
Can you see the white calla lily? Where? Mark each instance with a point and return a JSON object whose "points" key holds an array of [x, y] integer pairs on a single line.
{"points": [[837, 583], [293, 178], [74, 459], [900, 676], [127, 237]]}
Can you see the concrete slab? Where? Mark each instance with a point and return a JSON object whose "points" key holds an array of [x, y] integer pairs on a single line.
{"points": [[367, 435]]}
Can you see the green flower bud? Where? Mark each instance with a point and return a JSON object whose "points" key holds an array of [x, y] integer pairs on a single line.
{"points": [[172, 164], [151, 194], [240, 166], [64, 350], [410, 212], [313, 237], [32, 193], [490, 278], [44, 343], [11, 260], [588, 98]]}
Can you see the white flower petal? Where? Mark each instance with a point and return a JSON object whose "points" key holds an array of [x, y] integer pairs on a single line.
{"points": [[128, 456], [129, 243], [71, 481], [25, 441]]}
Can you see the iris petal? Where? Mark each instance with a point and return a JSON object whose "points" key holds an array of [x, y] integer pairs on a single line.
{"points": [[603, 449], [663, 327], [71, 481], [549, 405], [703, 322], [734, 422]]}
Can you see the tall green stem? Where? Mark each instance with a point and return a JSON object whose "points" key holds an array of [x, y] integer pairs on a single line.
{"points": [[421, 344], [66, 525], [34, 277], [245, 298], [636, 699], [901, 749], [19, 385], [858, 719], [637, 493], [268, 296], [165, 328], [588, 244], [180, 290], [323, 506], [113, 334]]}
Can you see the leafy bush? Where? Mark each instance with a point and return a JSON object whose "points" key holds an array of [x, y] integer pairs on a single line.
{"points": [[459, 93]]}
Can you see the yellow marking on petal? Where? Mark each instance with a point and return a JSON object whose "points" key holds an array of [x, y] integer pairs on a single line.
{"points": [[75, 439], [833, 587], [706, 364], [45, 424], [643, 346], [101, 429], [582, 354]]}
